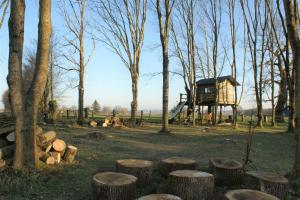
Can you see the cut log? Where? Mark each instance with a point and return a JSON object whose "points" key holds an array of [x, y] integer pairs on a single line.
{"points": [[160, 197], [59, 145], [93, 123], [191, 184], [226, 171], [49, 160], [47, 137], [176, 163], [142, 169], [113, 186], [56, 156], [7, 151], [271, 183], [6, 130], [245, 194], [70, 154], [11, 137]]}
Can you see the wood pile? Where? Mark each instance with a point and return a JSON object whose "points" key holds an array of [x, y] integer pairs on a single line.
{"points": [[7, 146], [112, 122], [53, 150]]}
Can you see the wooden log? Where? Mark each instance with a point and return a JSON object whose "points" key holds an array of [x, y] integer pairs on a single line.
{"points": [[272, 183], [245, 194], [142, 169], [7, 151], [49, 160], [93, 123], [160, 197], [113, 186], [6, 130], [176, 163], [191, 184], [226, 171], [47, 137], [70, 153], [59, 145], [56, 156], [11, 137]]}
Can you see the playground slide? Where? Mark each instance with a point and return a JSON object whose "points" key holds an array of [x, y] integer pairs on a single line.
{"points": [[179, 107]]}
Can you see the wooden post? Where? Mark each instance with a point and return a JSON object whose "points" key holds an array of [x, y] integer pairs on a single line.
{"points": [[114, 113], [92, 114], [220, 117], [68, 114], [150, 114], [86, 113], [265, 118], [142, 117], [242, 117]]}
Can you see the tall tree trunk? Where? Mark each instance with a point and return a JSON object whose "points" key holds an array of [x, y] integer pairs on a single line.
{"points": [[165, 106], [282, 93], [14, 78], [82, 66], [134, 104], [292, 22], [35, 93]]}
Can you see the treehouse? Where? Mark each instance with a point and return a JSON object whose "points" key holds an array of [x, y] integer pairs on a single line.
{"points": [[207, 94]]}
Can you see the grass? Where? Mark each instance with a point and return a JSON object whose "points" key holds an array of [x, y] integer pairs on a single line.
{"points": [[272, 151]]}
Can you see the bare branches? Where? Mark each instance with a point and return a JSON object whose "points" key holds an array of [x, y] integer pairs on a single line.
{"points": [[3, 9]]}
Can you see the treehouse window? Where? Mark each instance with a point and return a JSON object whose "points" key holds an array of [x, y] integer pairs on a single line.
{"points": [[209, 90]]}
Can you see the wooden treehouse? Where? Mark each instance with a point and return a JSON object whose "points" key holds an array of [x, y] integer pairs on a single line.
{"points": [[208, 95]]}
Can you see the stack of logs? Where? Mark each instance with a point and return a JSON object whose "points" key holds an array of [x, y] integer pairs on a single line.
{"points": [[53, 150], [7, 140]]}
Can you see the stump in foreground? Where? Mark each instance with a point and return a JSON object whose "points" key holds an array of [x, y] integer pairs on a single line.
{"points": [[226, 171], [142, 169], [113, 186], [245, 194], [159, 197], [271, 183], [191, 184], [176, 163]]}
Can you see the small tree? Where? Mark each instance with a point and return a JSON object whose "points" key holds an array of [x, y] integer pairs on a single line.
{"points": [[96, 107]]}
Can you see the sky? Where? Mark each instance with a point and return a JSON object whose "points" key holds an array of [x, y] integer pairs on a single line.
{"points": [[106, 78]]}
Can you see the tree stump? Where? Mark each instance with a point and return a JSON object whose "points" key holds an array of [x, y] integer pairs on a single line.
{"points": [[176, 163], [142, 169], [226, 171], [159, 197], [248, 195], [271, 183], [113, 186], [191, 184]]}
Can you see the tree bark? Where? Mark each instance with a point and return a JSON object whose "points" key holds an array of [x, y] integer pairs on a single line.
{"points": [[35, 93], [134, 104], [191, 185], [14, 78], [292, 23]]}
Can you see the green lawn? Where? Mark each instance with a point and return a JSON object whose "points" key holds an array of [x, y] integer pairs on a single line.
{"points": [[272, 151]]}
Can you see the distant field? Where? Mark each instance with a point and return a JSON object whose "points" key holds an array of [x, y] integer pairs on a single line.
{"points": [[272, 151]]}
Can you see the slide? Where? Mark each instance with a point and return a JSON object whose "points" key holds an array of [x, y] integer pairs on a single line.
{"points": [[174, 113]]}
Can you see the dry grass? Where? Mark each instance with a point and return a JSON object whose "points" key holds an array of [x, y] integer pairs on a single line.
{"points": [[272, 151]]}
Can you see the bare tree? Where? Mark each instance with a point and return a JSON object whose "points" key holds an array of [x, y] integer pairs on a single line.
{"points": [[256, 19], [183, 38], [292, 22], [3, 9], [122, 29], [164, 21], [74, 15], [25, 108]]}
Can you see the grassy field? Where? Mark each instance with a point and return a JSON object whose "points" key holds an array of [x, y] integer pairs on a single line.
{"points": [[272, 151]]}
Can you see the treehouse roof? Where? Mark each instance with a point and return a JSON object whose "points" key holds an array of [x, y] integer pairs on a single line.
{"points": [[211, 81]]}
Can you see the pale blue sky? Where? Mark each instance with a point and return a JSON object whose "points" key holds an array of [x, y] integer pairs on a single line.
{"points": [[107, 80]]}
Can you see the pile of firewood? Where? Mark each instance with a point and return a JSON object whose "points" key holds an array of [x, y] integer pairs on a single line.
{"points": [[53, 150], [7, 140], [112, 122]]}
